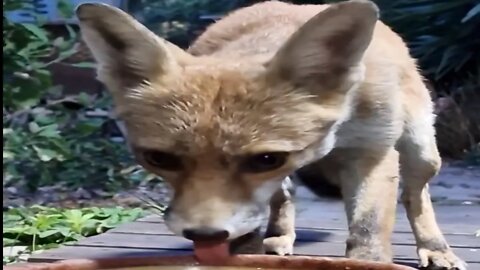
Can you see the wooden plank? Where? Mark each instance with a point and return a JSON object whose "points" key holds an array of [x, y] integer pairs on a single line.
{"points": [[321, 229], [301, 248], [459, 227], [81, 252], [446, 214], [136, 241], [304, 235]]}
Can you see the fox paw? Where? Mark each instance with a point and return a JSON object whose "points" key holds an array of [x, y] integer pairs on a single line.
{"points": [[440, 260], [279, 245]]}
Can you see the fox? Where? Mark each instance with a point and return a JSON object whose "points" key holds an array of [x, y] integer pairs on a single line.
{"points": [[267, 94]]}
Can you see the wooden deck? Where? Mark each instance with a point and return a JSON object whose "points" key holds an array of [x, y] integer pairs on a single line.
{"points": [[321, 230]]}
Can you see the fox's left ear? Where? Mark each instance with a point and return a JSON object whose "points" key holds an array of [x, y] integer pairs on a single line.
{"points": [[125, 50], [326, 49]]}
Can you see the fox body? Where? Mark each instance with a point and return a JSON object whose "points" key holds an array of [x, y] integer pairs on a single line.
{"points": [[269, 90]]}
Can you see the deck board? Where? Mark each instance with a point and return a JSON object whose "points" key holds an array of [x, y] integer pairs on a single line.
{"points": [[77, 251], [321, 231], [308, 235], [330, 216], [167, 242]]}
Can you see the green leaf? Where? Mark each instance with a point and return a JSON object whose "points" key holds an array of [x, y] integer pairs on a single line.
{"points": [[73, 215], [37, 31], [72, 34], [7, 131], [65, 231], [13, 5], [10, 242], [46, 154], [43, 119], [65, 8], [84, 99], [27, 96], [446, 64], [34, 127], [88, 127], [49, 131], [86, 217], [472, 13], [84, 65], [48, 233], [8, 154]]}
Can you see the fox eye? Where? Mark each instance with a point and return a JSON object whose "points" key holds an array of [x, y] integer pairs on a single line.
{"points": [[264, 162], [162, 160]]}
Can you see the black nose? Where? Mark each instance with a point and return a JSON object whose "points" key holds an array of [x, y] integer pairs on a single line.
{"points": [[206, 234]]}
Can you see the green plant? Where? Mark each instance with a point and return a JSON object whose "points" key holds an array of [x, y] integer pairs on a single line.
{"points": [[41, 227], [28, 51], [61, 145], [180, 21], [443, 35], [50, 138]]}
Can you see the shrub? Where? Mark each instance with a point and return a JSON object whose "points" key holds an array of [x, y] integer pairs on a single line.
{"points": [[177, 20], [50, 138], [443, 35]]}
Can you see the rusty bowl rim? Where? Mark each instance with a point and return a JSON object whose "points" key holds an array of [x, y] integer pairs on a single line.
{"points": [[253, 261]]}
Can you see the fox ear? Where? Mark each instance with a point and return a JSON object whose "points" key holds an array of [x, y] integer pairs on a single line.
{"points": [[124, 49], [324, 51]]}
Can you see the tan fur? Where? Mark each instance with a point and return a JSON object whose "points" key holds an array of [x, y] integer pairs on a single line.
{"points": [[332, 84]]}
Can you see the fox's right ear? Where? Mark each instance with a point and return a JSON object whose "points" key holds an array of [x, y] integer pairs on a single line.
{"points": [[125, 50], [325, 51]]}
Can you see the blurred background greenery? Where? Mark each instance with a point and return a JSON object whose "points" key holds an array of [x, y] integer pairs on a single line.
{"points": [[60, 131]]}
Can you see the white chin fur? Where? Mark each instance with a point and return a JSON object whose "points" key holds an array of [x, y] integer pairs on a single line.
{"points": [[246, 218]]}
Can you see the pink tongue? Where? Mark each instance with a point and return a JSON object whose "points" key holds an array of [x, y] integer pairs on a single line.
{"points": [[211, 252]]}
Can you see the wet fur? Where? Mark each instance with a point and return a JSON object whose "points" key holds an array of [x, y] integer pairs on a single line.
{"points": [[333, 86]]}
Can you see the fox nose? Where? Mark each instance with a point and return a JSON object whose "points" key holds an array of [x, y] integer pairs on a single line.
{"points": [[206, 234]]}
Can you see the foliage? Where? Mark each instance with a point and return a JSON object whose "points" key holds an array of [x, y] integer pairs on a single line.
{"points": [[443, 35], [61, 145], [177, 20], [50, 138], [28, 51], [42, 227]]}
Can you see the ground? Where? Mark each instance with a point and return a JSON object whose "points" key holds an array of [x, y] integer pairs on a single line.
{"points": [[321, 227]]}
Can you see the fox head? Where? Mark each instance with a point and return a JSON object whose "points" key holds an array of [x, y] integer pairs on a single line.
{"points": [[224, 133]]}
